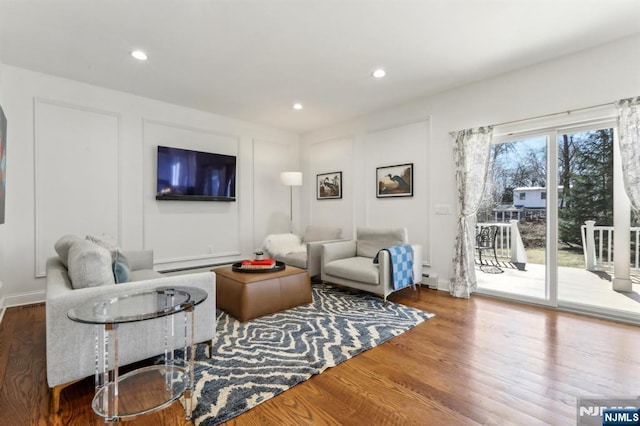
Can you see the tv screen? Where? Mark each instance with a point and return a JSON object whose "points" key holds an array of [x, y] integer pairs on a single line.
{"points": [[183, 174]]}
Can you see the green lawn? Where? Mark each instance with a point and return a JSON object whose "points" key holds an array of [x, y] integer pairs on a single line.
{"points": [[534, 238], [570, 257]]}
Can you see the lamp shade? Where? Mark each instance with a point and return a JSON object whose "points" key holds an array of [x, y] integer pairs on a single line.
{"points": [[291, 178]]}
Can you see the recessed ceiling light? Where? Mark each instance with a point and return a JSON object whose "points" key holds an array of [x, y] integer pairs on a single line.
{"points": [[379, 73], [297, 106], [139, 54]]}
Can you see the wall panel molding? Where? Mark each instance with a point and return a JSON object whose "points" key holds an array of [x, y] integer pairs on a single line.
{"points": [[214, 226], [392, 145], [72, 196], [334, 155], [270, 197]]}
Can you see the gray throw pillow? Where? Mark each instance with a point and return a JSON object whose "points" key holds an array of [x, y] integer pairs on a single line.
{"points": [[89, 265], [63, 245], [106, 241]]}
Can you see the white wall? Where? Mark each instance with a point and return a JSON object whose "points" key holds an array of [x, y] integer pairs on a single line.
{"points": [[81, 159], [2, 234], [357, 149], [329, 156], [588, 78], [213, 229]]}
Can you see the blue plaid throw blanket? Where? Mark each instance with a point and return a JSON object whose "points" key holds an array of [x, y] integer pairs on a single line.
{"points": [[401, 265]]}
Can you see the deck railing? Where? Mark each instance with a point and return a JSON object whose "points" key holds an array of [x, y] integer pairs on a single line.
{"points": [[597, 244], [508, 242]]}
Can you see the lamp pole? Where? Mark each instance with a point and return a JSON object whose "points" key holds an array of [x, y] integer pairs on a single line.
{"points": [[291, 208], [291, 179]]}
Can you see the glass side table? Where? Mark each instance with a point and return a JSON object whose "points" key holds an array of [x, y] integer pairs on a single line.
{"points": [[148, 388]]}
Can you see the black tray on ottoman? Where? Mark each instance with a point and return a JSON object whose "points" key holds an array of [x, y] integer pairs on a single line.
{"points": [[237, 267]]}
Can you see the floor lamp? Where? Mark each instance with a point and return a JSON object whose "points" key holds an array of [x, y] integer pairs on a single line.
{"points": [[291, 179]]}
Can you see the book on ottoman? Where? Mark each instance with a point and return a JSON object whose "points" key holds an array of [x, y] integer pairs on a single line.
{"points": [[258, 264]]}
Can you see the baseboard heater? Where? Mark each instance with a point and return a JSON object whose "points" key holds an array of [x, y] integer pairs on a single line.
{"points": [[430, 280]]}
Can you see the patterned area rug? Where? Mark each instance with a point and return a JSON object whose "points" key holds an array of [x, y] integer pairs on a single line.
{"points": [[255, 361]]}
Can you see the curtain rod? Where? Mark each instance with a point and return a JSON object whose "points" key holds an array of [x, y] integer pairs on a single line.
{"points": [[568, 112]]}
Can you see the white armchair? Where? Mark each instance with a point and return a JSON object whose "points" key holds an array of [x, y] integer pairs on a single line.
{"points": [[350, 263], [302, 252]]}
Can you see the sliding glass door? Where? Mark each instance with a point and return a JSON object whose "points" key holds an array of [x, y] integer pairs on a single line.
{"points": [[591, 266], [553, 196], [515, 202]]}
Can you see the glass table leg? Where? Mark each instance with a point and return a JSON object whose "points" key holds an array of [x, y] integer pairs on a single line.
{"points": [[106, 375], [189, 354]]}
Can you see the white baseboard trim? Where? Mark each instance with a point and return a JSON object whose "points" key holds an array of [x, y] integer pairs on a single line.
{"points": [[24, 299], [2, 309]]}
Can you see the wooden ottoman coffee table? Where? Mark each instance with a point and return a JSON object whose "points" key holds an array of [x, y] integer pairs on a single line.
{"points": [[251, 295]]}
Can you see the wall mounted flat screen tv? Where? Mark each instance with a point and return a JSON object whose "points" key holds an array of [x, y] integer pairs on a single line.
{"points": [[183, 174]]}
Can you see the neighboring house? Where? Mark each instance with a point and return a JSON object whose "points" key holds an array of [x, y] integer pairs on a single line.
{"points": [[533, 197], [530, 197], [529, 202]]}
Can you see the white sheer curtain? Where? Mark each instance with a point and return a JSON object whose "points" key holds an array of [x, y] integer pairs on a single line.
{"points": [[471, 153], [629, 142]]}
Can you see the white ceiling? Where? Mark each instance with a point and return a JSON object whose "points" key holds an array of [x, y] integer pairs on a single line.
{"points": [[251, 59]]}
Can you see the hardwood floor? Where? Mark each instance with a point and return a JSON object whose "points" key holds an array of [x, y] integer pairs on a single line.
{"points": [[479, 361]]}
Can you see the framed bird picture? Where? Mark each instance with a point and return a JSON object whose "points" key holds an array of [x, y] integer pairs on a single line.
{"points": [[394, 181], [329, 185]]}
